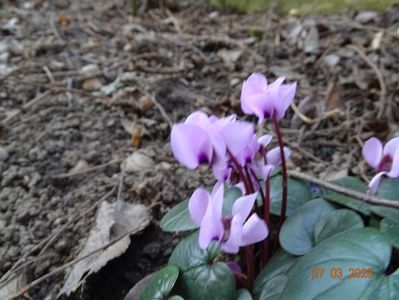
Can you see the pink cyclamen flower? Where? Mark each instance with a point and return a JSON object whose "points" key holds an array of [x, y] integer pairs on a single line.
{"points": [[232, 232], [202, 139], [266, 100], [385, 159]]}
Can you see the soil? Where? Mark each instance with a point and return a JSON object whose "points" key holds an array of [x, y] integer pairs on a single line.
{"points": [[105, 85]]}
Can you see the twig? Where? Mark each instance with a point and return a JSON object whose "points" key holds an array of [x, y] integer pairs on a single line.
{"points": [[11, 118], [360, 196], [383, 89], [84, 171], [162, 111], [62, 268]]}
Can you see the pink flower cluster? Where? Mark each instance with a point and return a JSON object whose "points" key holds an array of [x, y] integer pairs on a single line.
{"points": [[238, 157]]}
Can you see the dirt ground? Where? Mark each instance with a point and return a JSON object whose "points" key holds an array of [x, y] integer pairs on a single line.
{"points": [[84, 85]]}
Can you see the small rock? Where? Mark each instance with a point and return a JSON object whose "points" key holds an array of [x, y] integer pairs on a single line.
{"points": [[138, 162], [145, 103], [331, 60], [89, 70], [80, 166], [92, 84], [366, 16], [312, 41], [3, 154], [64, 246]]}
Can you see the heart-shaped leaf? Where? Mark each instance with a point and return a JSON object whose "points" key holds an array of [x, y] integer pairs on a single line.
{"points": [[336, 222], [352, 183], [389, 213], [389, 189], [161, 284], [202, 277], [272, 279], [298, 193], [179, 219], [297, 233], [391, 231], [345, 266]]}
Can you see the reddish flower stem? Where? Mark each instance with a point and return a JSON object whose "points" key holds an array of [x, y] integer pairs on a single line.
{"points": [[249, 253], [284, 171], [238, 168]]}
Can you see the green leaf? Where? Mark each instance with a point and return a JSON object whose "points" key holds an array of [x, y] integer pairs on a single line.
{"points": [[363, 248], [336, 222], [202, 277], [389, 213], [188, 254], [178, 219], [297, 233], [298, 193], [391, 231], [352, 183], [230, 196], [389, 189], [211, 282], [384, 288], [160, 284], [243, 294], [272, 279]]}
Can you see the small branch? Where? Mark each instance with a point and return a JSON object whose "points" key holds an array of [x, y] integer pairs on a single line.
{"points": [[360, 196], [86, 170]]}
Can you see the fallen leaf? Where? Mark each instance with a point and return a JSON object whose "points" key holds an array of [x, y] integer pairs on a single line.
{"points": [[113, 220], [63, 20], [333, 97], [11, 286]]}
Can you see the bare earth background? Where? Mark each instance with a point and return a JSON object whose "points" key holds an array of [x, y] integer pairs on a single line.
{"points": [[83, 85]]}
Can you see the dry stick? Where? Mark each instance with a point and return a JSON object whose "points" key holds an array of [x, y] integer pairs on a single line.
{"points": [[11, 118], [383, 89], [363, 197], [62, 268], [51, 238], [162, 111], [86, 170]]}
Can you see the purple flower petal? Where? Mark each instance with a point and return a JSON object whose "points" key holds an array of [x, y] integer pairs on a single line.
{"points": [[256, 84], [234, 267], [391, 147], [217, 199], [264, 171], [198, 118], [211, 227], [243, 206], [286, 94], [264, 140], [253, 231], [198, 204], [190, 145], [237, 135], [375, 182], [372, 152], [394, 172], [232, 245], [274, 158]]}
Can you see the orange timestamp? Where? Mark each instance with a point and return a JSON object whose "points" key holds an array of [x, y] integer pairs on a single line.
{"points": [[337, 273]]}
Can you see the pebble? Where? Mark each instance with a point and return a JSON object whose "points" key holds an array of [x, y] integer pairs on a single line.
{"points": [[89, 70], [138, 162]]}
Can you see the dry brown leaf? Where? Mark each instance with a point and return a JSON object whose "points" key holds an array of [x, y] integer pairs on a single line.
{"points": [[333, 97], [113, 220]]}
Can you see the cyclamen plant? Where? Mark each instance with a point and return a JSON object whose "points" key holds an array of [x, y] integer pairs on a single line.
{"points": [[319, 246]]}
